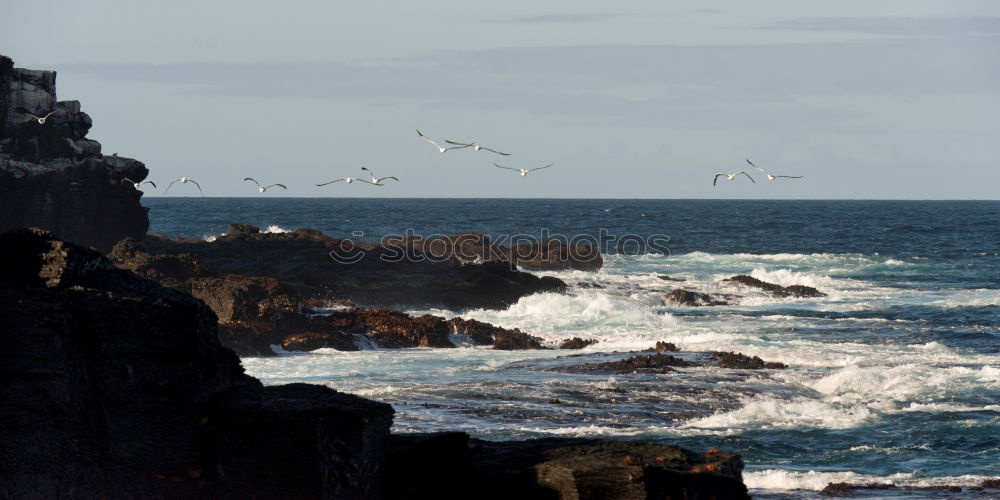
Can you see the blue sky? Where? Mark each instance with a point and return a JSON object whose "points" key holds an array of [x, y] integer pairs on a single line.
{"points": [[637, 100]]}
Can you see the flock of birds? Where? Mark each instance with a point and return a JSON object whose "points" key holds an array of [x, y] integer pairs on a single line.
{"points": [[378, 181], [374, 179]]}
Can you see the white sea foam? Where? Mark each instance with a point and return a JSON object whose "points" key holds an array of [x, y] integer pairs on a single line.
{"points": [[781, 479], [770, 413], [273, 228]]}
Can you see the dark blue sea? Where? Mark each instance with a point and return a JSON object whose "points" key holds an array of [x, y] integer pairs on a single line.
{"points": [[893, 377]]}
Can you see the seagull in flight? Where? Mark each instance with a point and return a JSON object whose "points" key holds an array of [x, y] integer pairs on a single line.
{"points": [[345, 179], [39, 119], [732, 176], [524, 172], [773, 177], [137, 184], [376, 181], [185, 180], [264, 188], [475, 146], [440, 148]]}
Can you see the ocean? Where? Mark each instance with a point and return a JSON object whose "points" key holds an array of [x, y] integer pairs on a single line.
{"points": [[893, 376]]}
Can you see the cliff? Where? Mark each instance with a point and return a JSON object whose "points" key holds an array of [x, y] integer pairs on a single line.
{"points": [[52, 176]]}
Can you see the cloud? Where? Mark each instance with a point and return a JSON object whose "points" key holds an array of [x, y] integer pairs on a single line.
{"points": [[900, 26], [569, 18], [784, 85]]}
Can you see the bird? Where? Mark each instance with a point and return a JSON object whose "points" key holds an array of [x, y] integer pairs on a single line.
{"points": [[524, 172], [185, 180], [475, 146], [137, 184], [376, 181], [345, 179], [39, 119], [732, 176], [264, 188], [440, 148], [773, 177]]}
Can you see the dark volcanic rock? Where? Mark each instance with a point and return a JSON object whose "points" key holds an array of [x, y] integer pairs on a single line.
{"points": [[363, 273], [743, 362], [546, 255], [112, 386], [311, 341], [515, 340], [452, 466], [396, 329], [662, 346], [52, 176], [681, 297], [593, 469], [553, 255], [798, 291], [648, 363], [577, 343], [848, 490]]}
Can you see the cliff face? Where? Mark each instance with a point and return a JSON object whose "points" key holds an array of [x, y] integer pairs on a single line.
{"points": [[52, 176]]}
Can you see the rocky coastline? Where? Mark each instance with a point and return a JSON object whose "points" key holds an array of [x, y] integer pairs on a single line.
{"points": [[116, 386], [120, 374]]}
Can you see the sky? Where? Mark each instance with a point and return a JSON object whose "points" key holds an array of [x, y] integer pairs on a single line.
{"points": [[640, 99]]}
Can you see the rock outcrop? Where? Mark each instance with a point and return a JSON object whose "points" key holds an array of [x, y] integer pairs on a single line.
{"points": [[390, 274], [797, 291], [682, 297], [452, 466], [52, 176], [113, 386]]}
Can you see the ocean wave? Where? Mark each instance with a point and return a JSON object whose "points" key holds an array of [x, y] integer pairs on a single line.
{"points": [[770, 413], [784, 480]]}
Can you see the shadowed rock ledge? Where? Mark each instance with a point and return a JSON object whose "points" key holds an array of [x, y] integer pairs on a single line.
{"points": [[52, 176]]}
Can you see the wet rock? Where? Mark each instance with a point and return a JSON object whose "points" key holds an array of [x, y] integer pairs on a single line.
{"points": [[668, 278], [849, 490], [361, 272], [990, 483], [664, 347], [52, 176], [515, 340], [797, 291], [577, 343], [554, 255], [395, 329], [561, 468], [114, 386], [648, 363], [480, 332], [311, 341], [743, 362], [681, 297]]}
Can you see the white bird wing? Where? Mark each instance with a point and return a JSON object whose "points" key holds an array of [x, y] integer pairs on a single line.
{"points": [[508, 168], [388, 177], [428, 139], [746, 174], [148, 182], [126, 179], [331, 182], [758, 168], [199, 187], [46, 117], [367, 182], [790, 176], [462, 144], [716, 178], [252, 179], [539, 168], [495, 151], [279, 185], [170, 186]]}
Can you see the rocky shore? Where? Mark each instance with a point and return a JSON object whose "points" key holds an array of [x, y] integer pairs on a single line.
{"points": [[115, 386]]}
